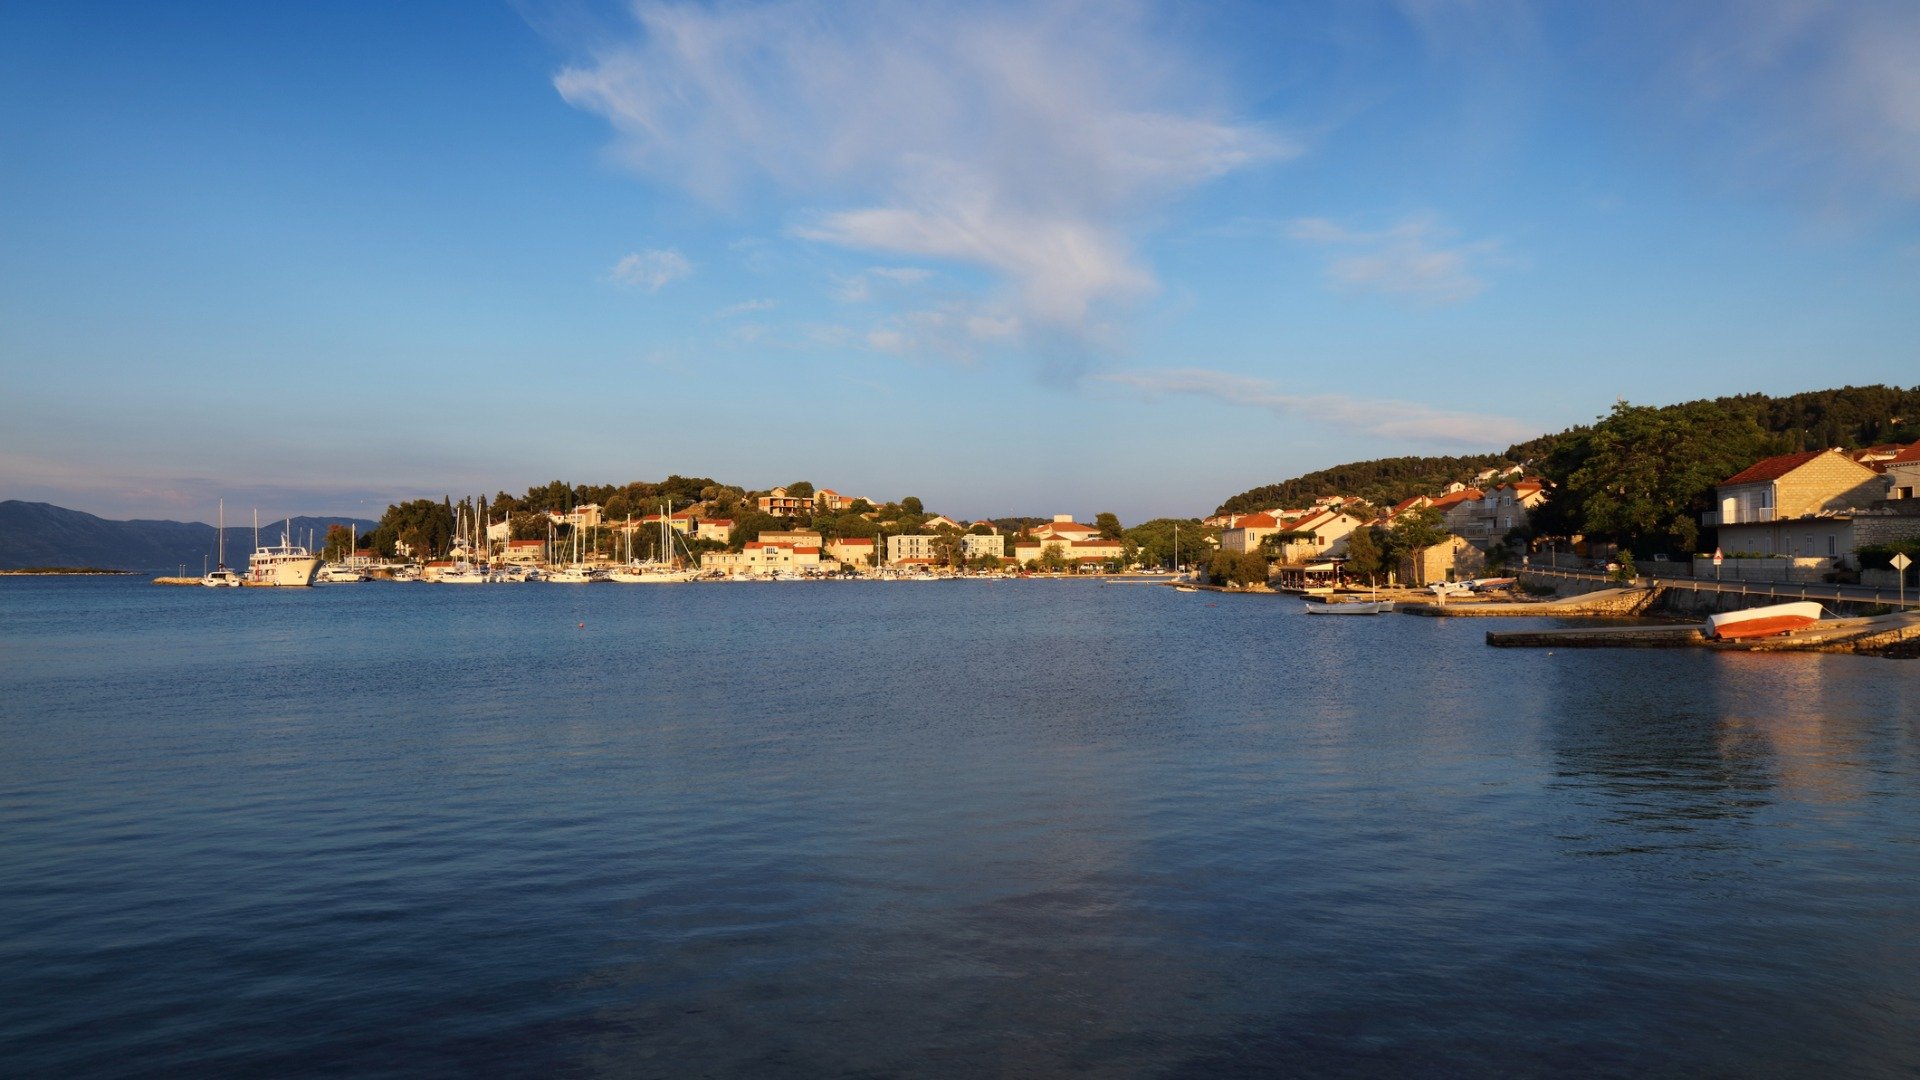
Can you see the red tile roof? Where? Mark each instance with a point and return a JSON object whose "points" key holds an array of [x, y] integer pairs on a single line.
{"points": [[1255, 521], [1911, 453], [1772, 468]]}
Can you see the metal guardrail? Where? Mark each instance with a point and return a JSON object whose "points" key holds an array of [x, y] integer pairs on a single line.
{"points": [[1784, 590]]}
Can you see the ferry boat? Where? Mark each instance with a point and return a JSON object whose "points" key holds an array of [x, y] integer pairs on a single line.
{"points": [[1763, 621]]}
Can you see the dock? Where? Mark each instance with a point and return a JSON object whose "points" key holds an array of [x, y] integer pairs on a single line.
{"points": [[1604, 602], [1600, 637], [1896, 634], [176, 581]]}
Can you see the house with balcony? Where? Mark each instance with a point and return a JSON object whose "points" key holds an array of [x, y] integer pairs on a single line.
{"points": [[1317, 535], [1801, 506]]}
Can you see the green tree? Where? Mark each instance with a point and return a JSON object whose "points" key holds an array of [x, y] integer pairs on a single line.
{"points": [[1642, 475], [1412, 533], [1109, 526], [800, 489], [339, 543], [912, 505], [1155, 541], [1240, 568], [1052, 559], [1364, 559]]}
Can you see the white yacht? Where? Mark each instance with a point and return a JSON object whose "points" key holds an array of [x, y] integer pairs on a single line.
{"points": [[577, 574], [285, 563], [338, 574]]}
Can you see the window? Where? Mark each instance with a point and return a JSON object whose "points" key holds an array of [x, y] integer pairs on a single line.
{"points": [[1832, 544]]}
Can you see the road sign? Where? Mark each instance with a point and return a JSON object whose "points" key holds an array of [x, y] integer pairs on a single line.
{"points": [[1717, 557], [1900, 560]]}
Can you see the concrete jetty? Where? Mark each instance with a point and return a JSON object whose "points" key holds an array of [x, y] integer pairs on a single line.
{"points": [[1599, 637], [1622, 602], [1880, 635]]}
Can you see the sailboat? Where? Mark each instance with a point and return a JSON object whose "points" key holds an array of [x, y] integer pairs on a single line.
{"points": [[661, 570], [464, 571], [577, 572], [223, 576]]}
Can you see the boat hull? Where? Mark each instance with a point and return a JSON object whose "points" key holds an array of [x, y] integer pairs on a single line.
{"points": [[284, 572], [1762, 622], [1365, 607]]}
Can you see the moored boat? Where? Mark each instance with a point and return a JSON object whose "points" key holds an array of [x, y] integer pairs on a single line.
{"points": [[1763, 621], [223, 576], [285, 563], [1357, 607]]}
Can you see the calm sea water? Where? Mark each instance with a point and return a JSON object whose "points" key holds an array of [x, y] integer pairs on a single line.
{"points": [[1015, 829]]}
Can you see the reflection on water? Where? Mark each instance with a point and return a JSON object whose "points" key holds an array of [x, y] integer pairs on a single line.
{"points": [[1026, 829]]}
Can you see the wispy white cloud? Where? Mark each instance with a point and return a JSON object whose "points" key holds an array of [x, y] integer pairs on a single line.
{"points": [[652, 269], [1822, 91], [859, 288], [901, 275], [955, 331], [1026, 140], [1418, 259], [1397, 420], [745, 307]]}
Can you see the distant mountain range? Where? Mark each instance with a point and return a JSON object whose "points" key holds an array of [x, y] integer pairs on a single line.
{"points": [[41, 534]]}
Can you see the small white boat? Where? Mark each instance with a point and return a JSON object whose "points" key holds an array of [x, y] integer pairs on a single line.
{"points": [[1357, 607], [576, 575], [1763, 621], [463, 574], [222, 575], [336, 574]]}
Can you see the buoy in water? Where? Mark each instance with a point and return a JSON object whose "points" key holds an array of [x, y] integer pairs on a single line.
{"points": [[583, 626]]}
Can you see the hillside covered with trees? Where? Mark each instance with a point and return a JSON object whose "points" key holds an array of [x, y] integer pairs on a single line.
{"points": [[1640, 475]]}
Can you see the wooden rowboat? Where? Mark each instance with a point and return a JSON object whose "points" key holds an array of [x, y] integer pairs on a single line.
{"points": [[1763, 621]]}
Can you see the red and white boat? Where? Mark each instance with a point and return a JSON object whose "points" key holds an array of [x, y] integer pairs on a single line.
{"points": [[1763, 621]]}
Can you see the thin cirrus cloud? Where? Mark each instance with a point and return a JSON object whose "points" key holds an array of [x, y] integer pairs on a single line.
{"points": [[1417, 259], [1384, 419], [1828, 93], [1022, 140], [651, 270]]}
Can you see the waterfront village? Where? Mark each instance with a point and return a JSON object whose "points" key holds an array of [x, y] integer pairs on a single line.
{"points": [[1805, 516]]}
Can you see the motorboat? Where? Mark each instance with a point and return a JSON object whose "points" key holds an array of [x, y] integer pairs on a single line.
{"points": [[1762, 622], [338, 574], [1356, 607], [576, 575], [282, 564]]}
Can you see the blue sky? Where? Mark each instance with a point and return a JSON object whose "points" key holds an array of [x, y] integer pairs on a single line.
{"points": [[1010, 258]]}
